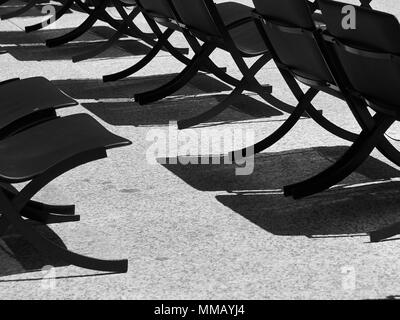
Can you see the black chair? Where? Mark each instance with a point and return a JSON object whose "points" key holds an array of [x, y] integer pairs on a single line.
{"points": [[364, 61], [227, 26], [26, 103], [38, 156], [152, 9], [96, 10], [159, 12], [369, 57]]}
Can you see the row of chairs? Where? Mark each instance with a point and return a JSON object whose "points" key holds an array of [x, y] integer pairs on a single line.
{"points": [[37, 146], [360, 67], [357, 66]]}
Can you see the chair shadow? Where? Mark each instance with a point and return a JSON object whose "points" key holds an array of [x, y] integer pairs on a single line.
{"points": [[18, 256], [35, 11], [113, 102], [369, 200], [13, 42]]}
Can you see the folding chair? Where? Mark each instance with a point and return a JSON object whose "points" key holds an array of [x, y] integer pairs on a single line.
{"points": [[37, 156]]}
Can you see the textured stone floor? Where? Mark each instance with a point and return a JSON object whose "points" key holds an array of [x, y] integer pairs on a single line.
{"points": [[198, 231]]}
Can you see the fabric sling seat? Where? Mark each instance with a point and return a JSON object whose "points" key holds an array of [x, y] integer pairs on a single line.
{"points": [[38, 156]]}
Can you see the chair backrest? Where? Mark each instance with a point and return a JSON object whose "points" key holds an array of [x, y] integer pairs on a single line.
{"points": [[198, 15], [156, 8], [370, 53], [291, 32]]}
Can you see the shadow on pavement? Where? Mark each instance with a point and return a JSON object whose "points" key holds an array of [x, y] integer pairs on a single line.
{"points": [[368, 200], [113, 102]]}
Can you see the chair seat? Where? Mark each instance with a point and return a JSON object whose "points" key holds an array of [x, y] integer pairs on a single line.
{"points": [[32, 152], [246, 36], [248, 39], [232, 11], [21, 98]]}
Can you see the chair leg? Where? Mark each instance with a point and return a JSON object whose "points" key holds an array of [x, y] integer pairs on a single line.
{"points": [[350, 161], [77, 32], [11, 192], [20, 11], [280, 132], [4, 224], [384, 233], [239, 88], [101, 48], [179, 81], [48, 247], [46, 217], [11, 209], [211, 113], [134, 31], [63, 10], [143, 62]]}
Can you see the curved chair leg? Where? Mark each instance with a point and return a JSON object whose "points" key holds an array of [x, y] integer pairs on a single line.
{"points": [[47, 217], [77, 32], [63, 10], [366, 121], [205, 116], [133, 29], [3, 2], [66, 210], [20, 11], [143, 62], [280, 132], [47, 247], [384, 233], [101, 48], [350, 161], [11, 209], [179, 81]]}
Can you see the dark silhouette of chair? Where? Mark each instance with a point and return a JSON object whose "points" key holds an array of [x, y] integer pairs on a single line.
{"points": [[227, 26], [363, 64], [38, 155], [124, 26], [27, 102]]}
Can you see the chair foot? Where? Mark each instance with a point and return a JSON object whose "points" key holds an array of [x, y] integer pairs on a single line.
{"points": [[47, 217], [142, 62], [385, 233], [281, 131], [350, 161], [77, 32], [179, 81]]}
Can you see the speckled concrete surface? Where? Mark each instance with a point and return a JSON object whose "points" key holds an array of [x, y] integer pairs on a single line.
{"points": [[199, 231]]}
